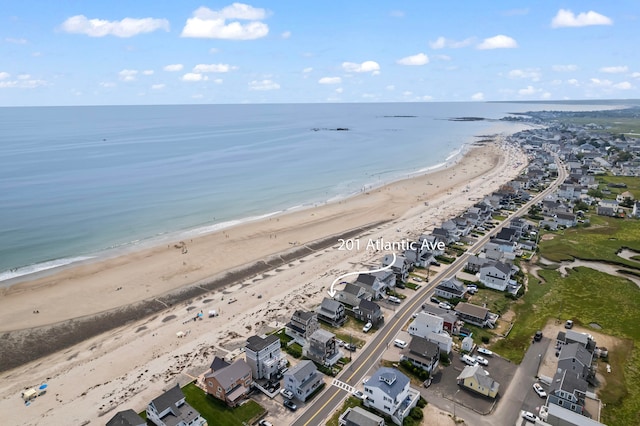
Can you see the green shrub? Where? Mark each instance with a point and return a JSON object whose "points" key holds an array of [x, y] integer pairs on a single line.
{"points": [[416, 413]]}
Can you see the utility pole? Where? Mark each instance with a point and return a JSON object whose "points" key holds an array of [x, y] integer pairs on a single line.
{"points": [[350, 347]]}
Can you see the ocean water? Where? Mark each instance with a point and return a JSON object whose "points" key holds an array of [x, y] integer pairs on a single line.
{"points": [[80, 182]]}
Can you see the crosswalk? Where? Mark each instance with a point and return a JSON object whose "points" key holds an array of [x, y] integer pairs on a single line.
{"points": [[342, 385]]}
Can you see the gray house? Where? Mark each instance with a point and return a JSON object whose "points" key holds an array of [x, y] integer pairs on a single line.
{"points": [[302, 379], [400, 267], [126, 418], [577, 359], [568, 390], [356, 416], [495, 275], [301, 326], [332, 312], [171, 409], [322, 348], [369, 311], [451, 288], [422, 353]]}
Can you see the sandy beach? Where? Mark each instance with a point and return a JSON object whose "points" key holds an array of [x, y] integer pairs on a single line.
{"points": [[284, 263]]}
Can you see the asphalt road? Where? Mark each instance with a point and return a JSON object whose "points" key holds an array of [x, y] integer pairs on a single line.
{"points": [[328, 401]]}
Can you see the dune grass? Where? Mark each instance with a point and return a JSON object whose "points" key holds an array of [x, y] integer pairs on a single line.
{"points": [[217, 412]]}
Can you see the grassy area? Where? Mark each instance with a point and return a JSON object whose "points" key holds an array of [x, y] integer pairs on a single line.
{"points": [[611, 125], [342, 333], [412, 286], [351, 402], [216, 412], [586, 296], [632, 182], [495, 300], [601, 241]]}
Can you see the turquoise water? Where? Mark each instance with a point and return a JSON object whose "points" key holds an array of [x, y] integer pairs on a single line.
{"points": [[76, 181]]}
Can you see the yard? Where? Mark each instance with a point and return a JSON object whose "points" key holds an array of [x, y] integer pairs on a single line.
{"points": [[216, 412]]}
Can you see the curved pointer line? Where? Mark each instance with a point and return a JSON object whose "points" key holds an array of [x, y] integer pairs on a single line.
{"points": [[331, 290]]}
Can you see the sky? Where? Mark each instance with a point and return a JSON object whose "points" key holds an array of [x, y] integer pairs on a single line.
{"points": [[112, 52]]}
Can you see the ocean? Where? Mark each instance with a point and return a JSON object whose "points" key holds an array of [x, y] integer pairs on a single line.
{"points": [[78, 183]]}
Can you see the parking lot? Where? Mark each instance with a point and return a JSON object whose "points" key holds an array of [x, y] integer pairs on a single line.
{"points": [[444, 383], [277, 413]]}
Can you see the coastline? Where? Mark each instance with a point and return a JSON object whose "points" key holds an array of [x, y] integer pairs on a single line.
{"points": [[103, 367]]}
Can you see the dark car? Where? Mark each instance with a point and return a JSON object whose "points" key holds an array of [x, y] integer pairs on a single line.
{"points": [[435, 300], [350, 347], [290, 405], [538, 336]]}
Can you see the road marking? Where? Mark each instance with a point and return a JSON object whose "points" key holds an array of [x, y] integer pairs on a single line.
{"points": [[344, 386]]}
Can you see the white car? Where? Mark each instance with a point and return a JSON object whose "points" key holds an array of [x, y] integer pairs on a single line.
{"points": [[394, 299], [286, 393], [482, 361], [367, 327], [358, 394], [444, 305], [529, 416], [400, 343], [418, 279], [484, 351], [538, 389]]}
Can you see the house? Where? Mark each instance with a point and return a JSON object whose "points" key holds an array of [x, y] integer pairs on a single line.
{"points": [[448, 236], [218, 364], [386, 277], [567, 220], [430, 327], [351, 295], [400, 266], [421, 353], [171, 409], [322, 348], [302, 325], [576, 358], [568, 390], [570, 336], [553, 414], [475, 315], [332, 312], [626, 195], [264, 356], [302, 379], [369, 311], [495, 275], [374, 284], [432, 244], [389, 393], [636, 209], [356, 416], [230, 384], [474, 263], [126, 418], [449, 319], [476, 379], [451, 289]]}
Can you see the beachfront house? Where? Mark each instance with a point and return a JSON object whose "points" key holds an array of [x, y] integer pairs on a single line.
{"points": [[477, 379], [431, 245], [451, 289], [373, 284], [302, 325], [264, 356], [389, 393], [126, 418], [331, 312], [302, 379], [171, 409], [322, 348], [351, 295], [368, 311], [421, 353], [356, 416], [230, 384], [400, 266]]}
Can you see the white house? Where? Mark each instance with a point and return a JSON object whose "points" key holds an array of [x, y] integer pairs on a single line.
{"points": [[302, 379], [495, 275], [388, 392], [264, 356], [171, 409], [430, 327], [451, 288]]}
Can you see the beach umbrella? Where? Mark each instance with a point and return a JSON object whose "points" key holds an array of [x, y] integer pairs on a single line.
{"points": [[43, 386]]}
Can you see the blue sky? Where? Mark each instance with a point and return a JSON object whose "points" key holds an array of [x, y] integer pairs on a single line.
{"points": [[99, 52]]}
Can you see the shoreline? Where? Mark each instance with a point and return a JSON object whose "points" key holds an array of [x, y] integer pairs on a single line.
{"points": [[130, 363]]}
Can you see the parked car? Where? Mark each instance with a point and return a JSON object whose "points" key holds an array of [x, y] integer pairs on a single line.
{"points": [[444, 305], [538, 389], [286, 393], [482, 361], [367, 327], [350, 347], [568, 324], [290, 405], [484, 351], [538, 336], [400, 284], [394, 299], [469, 360], [400, 343], [418, 279], [435, 300], [358, 394], [529, 416], [264, 423]]}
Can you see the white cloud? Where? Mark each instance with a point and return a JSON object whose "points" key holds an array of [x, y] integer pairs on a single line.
{"points": [[390, 87], [263, 85], [427, 98], [214, 50], [197, 96], [564, 68], [200, 68], [528, 91], [418, 59], [498, 42], [330, 80], [635, 75], [147, 72], [573, 82], [20, 83], [207, 23], [127, 75], [157, 86], [443, 57], [307, 70], [339, 90], [24, 76], [107, 84], [4, 75], [191, 76], [625, 85], [556, 82], [566, 18], [128, 27], [285, 35], [173, 67], [407, 93], [218, 81], [546, 95], [36, 54], [600, 83], [477, 96], [442, 42], [532, 74], [366, 66], [16, 40], [615, 70]]}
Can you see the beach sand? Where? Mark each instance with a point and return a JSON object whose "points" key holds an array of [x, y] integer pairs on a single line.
{"points": [[127, 366]]}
